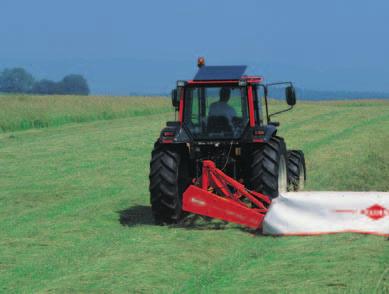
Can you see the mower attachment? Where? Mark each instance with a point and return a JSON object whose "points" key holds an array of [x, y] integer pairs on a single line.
{"points": [[219, 196]]}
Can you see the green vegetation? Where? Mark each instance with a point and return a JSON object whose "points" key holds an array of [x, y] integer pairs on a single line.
{"points": [[21, 112], [18, 80], [74, 213]]}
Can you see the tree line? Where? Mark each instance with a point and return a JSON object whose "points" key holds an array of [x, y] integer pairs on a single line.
{"points": [[18, 80]]}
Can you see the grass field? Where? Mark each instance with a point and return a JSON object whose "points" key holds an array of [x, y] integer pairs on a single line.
{"points": [[21, 112], [75, 216]]}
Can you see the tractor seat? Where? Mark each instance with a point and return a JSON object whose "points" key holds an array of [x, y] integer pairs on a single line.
{"points": [[218, 124]]}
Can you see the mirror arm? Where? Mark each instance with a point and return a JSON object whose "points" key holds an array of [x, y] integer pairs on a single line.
{"points": [[265, 92], [279, 83], [278, 112], [276, 84], [267, 107]]}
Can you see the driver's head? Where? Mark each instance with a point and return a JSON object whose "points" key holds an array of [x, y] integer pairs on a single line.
{"points": [[225, 94]]}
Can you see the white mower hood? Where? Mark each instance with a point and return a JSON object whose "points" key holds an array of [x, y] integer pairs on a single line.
{"points": [[314, 213]]}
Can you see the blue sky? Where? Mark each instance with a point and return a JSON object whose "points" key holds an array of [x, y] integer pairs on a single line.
{"points": [[144, 46]]}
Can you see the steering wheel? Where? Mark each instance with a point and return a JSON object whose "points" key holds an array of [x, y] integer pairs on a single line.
{"points": [[237, 122]]}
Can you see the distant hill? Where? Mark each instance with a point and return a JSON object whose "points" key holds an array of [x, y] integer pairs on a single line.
{"points": [[308, 94]]}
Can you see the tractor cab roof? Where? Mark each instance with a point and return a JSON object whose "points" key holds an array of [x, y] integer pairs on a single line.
{"points": [[223, 75], [217, 73]]}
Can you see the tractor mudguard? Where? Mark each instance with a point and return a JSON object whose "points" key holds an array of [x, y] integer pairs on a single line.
{"points": [[173, 133], [270, 131]]}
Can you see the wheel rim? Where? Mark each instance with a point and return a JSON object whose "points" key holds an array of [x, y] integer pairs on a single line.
{"points": [[282, 177]]}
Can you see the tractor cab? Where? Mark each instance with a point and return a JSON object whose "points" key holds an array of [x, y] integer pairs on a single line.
{"points": [[215, 111], [222, 103]]}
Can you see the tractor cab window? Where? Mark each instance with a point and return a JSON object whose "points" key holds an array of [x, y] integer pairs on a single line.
{"points": [[259, 99], [216, 112]]}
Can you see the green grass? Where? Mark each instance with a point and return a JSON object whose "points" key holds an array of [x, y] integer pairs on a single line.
{"points": [[74, 213], [21, 112]]}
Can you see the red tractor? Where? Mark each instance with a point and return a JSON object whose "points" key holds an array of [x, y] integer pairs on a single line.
{"points": [[223, 149]]}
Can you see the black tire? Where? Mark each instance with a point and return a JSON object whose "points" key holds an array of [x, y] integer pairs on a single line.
{"points": [[296, 170], [168, 180], [265, 164]]}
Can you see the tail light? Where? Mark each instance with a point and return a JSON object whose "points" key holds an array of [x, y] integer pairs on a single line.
{"points": [[258, 136], [168, 137]]}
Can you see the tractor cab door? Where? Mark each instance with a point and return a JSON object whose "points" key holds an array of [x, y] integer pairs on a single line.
{"points": [[259, 104]]}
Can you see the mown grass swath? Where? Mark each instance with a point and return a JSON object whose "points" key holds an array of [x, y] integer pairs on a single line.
{"points": [[75, 216]]}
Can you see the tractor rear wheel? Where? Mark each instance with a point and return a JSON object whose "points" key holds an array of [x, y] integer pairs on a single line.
{"points": [[267, 168], [296, 170], [169, 177]]}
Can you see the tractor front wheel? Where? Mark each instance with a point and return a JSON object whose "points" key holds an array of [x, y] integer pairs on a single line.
{"points": [[296, 170], [267, 168], [168, 180]]}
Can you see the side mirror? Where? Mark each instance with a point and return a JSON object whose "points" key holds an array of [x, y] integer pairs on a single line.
{"points": [[175, 100], [290, 94]]}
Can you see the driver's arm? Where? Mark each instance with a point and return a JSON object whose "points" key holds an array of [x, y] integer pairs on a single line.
{"points": [[232, 112]]}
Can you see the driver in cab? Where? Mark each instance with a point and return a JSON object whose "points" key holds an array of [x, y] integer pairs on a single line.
{"points": [[221, 107]]}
